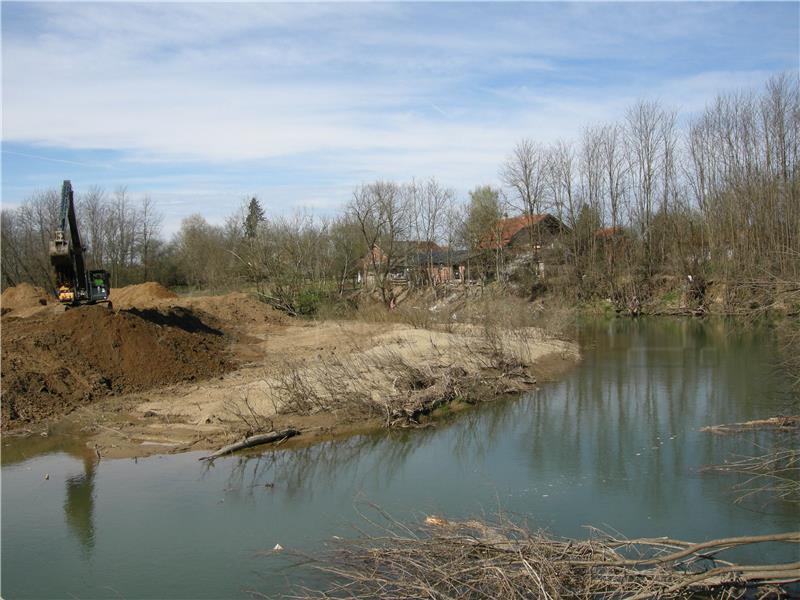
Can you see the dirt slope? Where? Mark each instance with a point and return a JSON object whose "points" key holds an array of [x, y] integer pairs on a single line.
{"points": [[143, 295], [23, 296], [236, 308], [53, 363]]}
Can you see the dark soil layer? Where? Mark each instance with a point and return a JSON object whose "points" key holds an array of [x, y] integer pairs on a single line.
{"points": [[53, 364]]}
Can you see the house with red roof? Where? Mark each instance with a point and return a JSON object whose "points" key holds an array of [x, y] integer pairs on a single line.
{"points": [[519, 233]]}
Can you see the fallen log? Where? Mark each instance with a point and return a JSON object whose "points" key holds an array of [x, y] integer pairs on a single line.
{"points": [[253, 440], [786, 423]]}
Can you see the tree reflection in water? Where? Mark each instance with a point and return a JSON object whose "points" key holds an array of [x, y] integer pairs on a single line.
{"points": [[292, 471], [79, 503]]}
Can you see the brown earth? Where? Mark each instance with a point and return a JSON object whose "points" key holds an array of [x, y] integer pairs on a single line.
{"points": [[236, 308], [54, 363], [143, 295], [23, 297]]}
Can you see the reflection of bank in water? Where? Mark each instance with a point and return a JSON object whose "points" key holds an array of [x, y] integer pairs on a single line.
{"points": [[79, 498], [79, 503]]}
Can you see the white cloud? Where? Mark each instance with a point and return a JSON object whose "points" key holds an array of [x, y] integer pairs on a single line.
{"points": [[367, 90]]}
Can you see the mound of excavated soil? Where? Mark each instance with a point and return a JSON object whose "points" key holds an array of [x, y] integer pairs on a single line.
{"points": [[23, 296], [143, 295], [50, 365], [236, 307]]}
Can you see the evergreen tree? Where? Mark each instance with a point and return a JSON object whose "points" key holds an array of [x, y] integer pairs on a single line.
{"points": [[255, 215]]}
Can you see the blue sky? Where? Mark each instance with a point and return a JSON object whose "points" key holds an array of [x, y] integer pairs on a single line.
{"points": [[202, 104]]}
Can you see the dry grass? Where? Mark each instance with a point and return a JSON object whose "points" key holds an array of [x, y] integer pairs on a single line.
{"points": [[493, 306]]}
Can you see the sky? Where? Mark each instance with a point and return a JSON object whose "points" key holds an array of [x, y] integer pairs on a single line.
{"points": [[200, 105]]}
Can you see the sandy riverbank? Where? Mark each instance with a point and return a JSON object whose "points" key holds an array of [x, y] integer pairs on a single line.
{"points": [[165, 374]]}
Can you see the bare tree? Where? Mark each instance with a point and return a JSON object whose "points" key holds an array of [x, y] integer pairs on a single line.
{"points": [[382, 212], [150, 220], [93, 216], [428, 201], [612, 157], [525, 173], [642, 136], [348, 248]]}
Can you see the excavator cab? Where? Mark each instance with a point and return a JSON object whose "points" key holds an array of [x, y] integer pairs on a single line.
{"points": [[98, 286]]}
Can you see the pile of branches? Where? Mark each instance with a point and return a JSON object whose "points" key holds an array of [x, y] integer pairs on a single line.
{"points": [[476, 560]]}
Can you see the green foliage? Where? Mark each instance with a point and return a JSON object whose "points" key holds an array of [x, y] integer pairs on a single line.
{"points": [[483, 212], [671, 297], [307, 302]]}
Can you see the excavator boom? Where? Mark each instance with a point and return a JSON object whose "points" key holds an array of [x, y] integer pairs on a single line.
{"points": [[74, 285]]}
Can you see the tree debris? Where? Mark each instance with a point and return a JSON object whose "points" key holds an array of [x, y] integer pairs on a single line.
{"points": [[476, 560], [783, 423], [253, 440]]}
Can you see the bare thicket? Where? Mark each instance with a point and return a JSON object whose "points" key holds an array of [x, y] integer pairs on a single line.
{"points": [[651, 203], [401, 382], [252, 420]]}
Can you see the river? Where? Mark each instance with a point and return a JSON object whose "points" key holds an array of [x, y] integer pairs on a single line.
{"points": [[614, 444]]}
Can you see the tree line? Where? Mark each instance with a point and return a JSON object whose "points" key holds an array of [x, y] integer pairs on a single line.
{"points": [[709, 197]]}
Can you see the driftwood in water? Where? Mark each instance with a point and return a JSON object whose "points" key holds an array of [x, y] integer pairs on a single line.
{"points": [[253, 440], [785, 423]]}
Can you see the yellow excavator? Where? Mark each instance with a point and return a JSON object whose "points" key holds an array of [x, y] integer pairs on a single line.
{"points": [[74, 284]]}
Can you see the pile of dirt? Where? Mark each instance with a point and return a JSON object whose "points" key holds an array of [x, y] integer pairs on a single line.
{"points": [[143, 295], [23, 296], [236, 308], [50, 365]]}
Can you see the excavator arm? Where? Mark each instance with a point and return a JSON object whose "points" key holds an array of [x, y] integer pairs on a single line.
{"points": [[73, 284]]}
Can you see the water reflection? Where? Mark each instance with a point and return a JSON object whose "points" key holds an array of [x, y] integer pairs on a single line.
{"points": [[79, 489], [79, 504], [614, 443], [625, 422], [303, 473]]}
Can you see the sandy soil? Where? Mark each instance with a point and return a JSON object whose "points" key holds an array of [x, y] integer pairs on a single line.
{"points": [[326, 378]]}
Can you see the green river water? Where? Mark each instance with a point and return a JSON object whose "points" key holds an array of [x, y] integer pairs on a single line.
{"points": [[614, 444]]}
